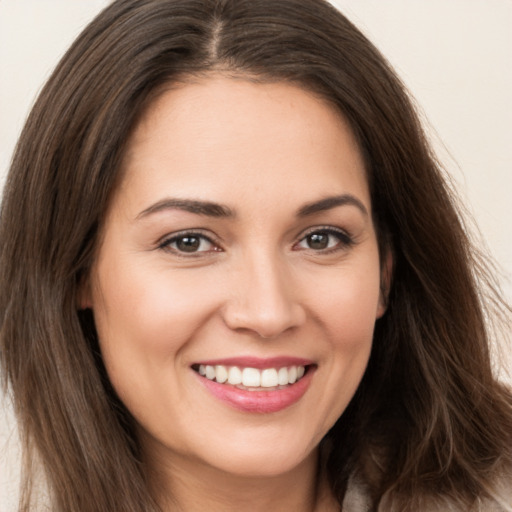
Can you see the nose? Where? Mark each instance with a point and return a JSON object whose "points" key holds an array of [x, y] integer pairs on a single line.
{"points": [[264, 300]]}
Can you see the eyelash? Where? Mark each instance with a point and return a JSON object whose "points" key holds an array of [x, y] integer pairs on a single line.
{"points": [[345, 241], [167, 242]]}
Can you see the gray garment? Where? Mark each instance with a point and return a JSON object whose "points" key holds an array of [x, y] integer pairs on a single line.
{"points": [[356, 500]]}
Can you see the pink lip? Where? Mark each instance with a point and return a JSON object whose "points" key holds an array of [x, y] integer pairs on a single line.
{"points": [[259, 401], [259, 363]]}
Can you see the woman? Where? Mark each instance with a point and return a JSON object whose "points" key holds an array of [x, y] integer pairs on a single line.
{"points": [[233, 276]]}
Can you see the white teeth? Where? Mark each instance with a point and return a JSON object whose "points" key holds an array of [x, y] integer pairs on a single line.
{"points": [[210, 372], [252, 377], [282, 376], [221, 374], [235, 376], [269, 378]]}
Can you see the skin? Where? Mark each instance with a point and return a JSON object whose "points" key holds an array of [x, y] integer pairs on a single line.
{"points": [[257, 288]]}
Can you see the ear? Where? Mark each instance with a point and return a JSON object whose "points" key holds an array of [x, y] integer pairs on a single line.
{"points": [[386, 276], [84, 296]]}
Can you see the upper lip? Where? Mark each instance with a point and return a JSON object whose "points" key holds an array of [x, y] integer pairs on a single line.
{"points": [[257, 362]]}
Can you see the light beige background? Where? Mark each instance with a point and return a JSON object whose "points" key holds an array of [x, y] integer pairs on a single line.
{"points": [[454, 55]]}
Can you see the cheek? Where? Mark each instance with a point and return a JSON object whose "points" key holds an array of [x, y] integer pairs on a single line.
{"points": [[350, 332], [144, 321], [350, 304], [152, 311], [347, 312]]}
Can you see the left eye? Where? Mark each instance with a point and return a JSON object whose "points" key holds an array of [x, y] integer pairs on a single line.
{"points": [[189, 243], [322, 240]]}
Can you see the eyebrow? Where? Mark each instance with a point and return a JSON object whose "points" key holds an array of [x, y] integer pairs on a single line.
{"points": [[206, 208], [210, 209], [331, 202]]}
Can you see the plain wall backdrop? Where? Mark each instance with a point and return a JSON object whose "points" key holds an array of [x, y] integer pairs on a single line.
{"points": [[455, 56]]}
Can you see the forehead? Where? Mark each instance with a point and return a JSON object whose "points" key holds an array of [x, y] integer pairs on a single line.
{"points": [[230, 137]]}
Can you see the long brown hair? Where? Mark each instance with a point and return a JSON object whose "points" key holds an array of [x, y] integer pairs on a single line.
{"points": [[429, 420]]}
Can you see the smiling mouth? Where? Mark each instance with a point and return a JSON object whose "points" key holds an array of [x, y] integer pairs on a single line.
{"points": [[253, 379]]}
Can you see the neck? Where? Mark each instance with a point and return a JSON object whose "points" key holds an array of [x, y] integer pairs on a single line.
{"points": [[194, 487]]}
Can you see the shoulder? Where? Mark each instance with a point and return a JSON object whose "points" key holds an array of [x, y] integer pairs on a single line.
{"points": [[357, 496], [357, 499]]}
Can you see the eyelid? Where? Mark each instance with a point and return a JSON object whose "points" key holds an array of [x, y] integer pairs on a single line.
{"points": [[165, 242], [346, 240], [344, 236]]}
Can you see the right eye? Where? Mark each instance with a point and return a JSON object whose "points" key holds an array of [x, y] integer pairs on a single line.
{"points": [[189, 243]]}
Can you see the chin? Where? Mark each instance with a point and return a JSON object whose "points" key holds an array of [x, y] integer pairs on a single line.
{"points": [[260, 457]]}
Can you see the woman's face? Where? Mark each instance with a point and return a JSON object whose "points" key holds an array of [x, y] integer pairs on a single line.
{"points": [[238, 281]]}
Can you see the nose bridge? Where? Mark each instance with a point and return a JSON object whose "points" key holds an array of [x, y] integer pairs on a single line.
{"points": [[264, 299]]}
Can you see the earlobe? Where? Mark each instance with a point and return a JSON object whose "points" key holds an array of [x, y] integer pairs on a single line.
{"points": [[83, 296], [386, 277]]}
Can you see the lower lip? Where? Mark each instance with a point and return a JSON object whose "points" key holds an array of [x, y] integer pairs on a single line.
{"points": [[259, 401]]}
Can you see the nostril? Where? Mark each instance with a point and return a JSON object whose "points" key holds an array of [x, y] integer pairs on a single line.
{"points": [[267, 325], [263, 299]]}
